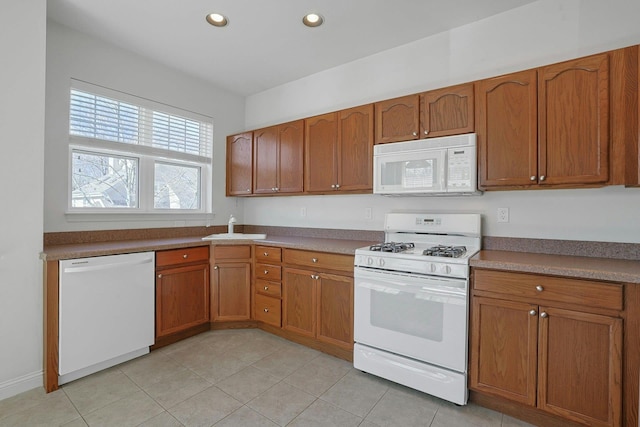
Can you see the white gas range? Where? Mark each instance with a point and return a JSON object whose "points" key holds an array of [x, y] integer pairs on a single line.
{"points": [[412, 302]]}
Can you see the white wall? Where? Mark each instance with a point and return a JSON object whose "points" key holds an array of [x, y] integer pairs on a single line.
{"points": [[74, 55], [22, 77], [539, 33]]}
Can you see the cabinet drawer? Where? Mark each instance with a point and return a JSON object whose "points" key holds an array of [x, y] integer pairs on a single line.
{"points": [[268, 254], [232, 252], [182, 256], [268, 272], [268, 310], [547, 288], [269, 288], [321, 260]]}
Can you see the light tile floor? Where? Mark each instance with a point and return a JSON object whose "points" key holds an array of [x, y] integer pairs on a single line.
{"points": [[239, 378]]}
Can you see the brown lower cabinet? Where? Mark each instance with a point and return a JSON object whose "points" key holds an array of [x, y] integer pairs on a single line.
{"points": [[550, 343], [182, 290], [231, 291], [318, 302]]}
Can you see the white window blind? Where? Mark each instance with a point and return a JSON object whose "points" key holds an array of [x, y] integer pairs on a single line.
{"points": [[103, 114]]}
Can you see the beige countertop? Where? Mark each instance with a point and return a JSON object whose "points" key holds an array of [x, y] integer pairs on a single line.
{"points": [[614, 270], [83, 250]]}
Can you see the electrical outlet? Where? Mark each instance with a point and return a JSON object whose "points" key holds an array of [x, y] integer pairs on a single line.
{"points": [[503, 214], [303, 212], [368, 213]]}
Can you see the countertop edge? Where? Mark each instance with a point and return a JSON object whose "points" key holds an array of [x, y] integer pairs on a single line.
{"points": [[86, 250], [610, 270]]}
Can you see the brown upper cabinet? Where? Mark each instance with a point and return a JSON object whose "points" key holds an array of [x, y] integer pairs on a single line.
{"points": [[239, 164], [441, 112], [339, 151], [278, 158], [573, 122], [549, 132]]}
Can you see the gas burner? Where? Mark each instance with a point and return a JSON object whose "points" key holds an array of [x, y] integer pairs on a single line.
{"points": [[446, 251], [391, 247]]}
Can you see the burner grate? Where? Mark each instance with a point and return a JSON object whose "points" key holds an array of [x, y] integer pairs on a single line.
{"points": [[391, 247], [446, 251]]}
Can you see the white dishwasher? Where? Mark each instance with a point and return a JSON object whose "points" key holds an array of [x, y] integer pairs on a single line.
{"points": [[106, 312]]}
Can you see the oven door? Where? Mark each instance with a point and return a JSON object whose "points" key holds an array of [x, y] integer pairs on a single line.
{"points": [[422, 317]]}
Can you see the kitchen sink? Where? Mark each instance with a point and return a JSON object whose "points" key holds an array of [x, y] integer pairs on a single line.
{"points": [[235, 236]]}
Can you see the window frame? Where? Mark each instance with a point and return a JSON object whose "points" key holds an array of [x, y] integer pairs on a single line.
{"points": [[146, 155]]}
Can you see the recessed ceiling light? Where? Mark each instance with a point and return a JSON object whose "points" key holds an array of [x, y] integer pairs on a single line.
{"points": [[312, 20], [217, 20]]}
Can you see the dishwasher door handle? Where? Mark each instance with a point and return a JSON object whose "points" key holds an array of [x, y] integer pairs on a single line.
{"points": [[88, 267]]}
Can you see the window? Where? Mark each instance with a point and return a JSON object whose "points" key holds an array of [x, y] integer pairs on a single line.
{"points": [[130, 154]]}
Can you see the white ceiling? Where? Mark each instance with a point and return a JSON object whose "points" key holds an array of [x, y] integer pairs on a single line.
{"points": [[265, 43]]}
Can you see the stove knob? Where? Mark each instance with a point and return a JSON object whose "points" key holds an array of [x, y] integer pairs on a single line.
{"points": [[432, 268], [369, 261], [381, 262]]}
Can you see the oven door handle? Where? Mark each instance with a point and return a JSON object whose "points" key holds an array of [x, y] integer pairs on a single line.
{"points": [[426, 291]]}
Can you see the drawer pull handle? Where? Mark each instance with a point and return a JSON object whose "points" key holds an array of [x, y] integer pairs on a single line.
{"points": [[185, 256], [314, 259], [266, 272], [533, 312], [266, 310], [544, 314], [266, 288], [539, 288]]}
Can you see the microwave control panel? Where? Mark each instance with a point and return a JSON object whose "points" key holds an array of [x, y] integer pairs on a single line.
{"points": [[460, 168]]}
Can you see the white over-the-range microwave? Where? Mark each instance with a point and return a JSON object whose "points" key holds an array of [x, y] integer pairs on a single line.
{"points": [[426, 167]]}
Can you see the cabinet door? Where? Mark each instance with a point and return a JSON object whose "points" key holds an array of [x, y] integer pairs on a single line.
{"points": [[507, 130], [299, 302], [265, 165], [231, 299], [397, 119], [290, 157], [580, 366], [447, 111], [182, 298], [239, 164], [573, 121], [320, 143], [355, 148], [335, 310], [503, 349]]}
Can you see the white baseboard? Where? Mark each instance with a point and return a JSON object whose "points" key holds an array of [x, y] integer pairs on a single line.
{"points": [[21, 384]]}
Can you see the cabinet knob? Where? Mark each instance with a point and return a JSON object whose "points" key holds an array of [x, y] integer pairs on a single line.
{"points": [[542, 177], [539, 288], [533, 178], [544, 314], [159, 276], [248, 190], [266, 254], [266, 288], [415, 134], [314, 259], [266, 272], [426, 132], [533, 312], [277, 188], [185, 256], [333, 186], [215, 267], [337, 185], [266, 310]]}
